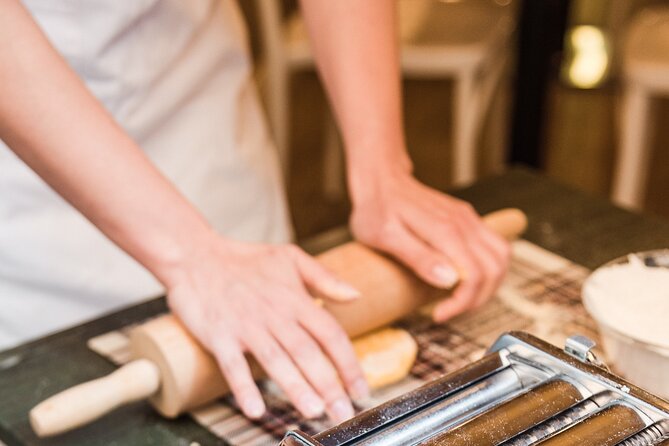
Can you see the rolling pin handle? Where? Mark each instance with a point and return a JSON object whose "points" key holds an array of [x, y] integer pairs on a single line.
{"points": [[510, 223], [86, 402]]}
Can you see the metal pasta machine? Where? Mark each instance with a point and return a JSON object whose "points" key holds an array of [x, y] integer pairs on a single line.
{"points": [[523, 392]]}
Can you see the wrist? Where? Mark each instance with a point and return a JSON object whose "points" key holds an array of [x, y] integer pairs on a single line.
{"points": [[369, 178], [176, 258]]}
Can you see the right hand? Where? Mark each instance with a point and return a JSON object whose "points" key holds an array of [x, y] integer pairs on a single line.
{"points": [[440, 237], [239, 298]]}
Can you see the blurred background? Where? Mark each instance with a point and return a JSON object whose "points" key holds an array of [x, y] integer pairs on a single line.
{"points": [[574, 88]]}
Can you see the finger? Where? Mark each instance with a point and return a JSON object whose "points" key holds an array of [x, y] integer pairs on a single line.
{"points": [[466, 293], [492, 273], [477, 240], [473, 281], [499, 246], [320, 279], [502, 248], [476, 288], [237, 373], [452, 209], [447, 238], [490, 257], [495, 268], [336, 344], [495, 242], [454, 305], [432, 266], [283, 371], [316, 367]]}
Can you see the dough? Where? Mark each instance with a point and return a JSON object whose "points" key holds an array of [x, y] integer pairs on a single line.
{"points": [[386, 355]]}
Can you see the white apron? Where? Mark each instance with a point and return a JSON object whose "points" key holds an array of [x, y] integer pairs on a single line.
{"points": [[176, 75]]}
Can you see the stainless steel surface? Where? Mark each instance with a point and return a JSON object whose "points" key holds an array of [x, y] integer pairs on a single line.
{"points": [[451, 411], [581, 347], [394, 411], [515, 365], [297, 438]]}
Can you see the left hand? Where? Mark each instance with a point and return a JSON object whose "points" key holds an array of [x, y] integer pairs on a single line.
{"points": [[441, 238]]}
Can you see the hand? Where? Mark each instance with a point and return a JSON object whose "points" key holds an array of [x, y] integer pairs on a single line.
{"points": [[241, 298], [441, 238]]}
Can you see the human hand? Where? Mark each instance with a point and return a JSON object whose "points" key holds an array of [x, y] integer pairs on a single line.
{"points": [[441, 238], [239, 298]]}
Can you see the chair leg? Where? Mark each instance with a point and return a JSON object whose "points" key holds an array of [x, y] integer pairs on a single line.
{"points": [[333, 163], [498, 131], [464, 130], [631, 168], [279, 112]]}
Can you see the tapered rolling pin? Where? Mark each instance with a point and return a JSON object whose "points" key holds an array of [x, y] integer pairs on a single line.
{"points": [[177, 374]]}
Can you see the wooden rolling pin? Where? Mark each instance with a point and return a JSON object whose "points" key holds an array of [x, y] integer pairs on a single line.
{"points": [[177, 374]]}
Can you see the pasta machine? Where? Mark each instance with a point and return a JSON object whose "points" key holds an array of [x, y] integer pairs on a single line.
{"points": [[523, 392]]}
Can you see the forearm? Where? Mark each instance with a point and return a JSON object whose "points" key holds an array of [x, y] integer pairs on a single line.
{"points": [[50, 120], [358, 60]]}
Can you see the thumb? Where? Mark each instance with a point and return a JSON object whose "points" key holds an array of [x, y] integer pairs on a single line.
{"points": [[321, 281]]}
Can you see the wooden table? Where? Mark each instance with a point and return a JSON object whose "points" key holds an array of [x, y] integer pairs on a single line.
{"points": [[586, 230]]}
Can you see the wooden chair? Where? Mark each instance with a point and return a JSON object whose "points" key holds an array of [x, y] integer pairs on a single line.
{"points": [[645, 76], [469, 42]]}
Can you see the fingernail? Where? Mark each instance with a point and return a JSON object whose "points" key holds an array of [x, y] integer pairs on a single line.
{"points": [[311, 406], [346, 291], [341, 410], [446, 275], [360, 389], [437, 317], [254, 408], [440, 315]]}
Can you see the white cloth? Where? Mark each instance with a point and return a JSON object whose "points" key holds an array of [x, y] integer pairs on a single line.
{"points": [[176, 75]]}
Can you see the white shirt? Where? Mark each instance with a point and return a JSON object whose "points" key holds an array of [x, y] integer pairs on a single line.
{"points": [[176, 74]]}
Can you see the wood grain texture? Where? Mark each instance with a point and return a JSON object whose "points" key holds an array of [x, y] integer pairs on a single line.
{"points": [[86, 402]]}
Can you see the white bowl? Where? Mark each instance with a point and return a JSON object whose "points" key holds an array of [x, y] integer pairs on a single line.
{"points": [[642, 363]]}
